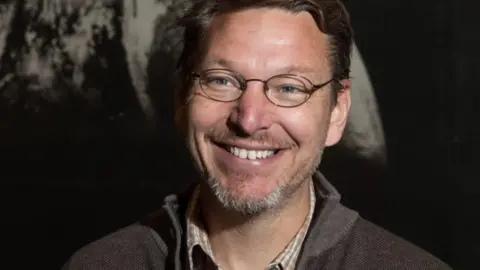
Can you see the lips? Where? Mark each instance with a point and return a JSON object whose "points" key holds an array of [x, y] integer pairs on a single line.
{"points": [[244, 160], [249, 153]]}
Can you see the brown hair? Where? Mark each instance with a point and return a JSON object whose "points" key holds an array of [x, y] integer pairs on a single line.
{"points": [[330, 15]]}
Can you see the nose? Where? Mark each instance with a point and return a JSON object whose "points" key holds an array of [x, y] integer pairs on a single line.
{"points": [[251, 113]]}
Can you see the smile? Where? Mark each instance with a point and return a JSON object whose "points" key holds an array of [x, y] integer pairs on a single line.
{"points": [[250, 154]]}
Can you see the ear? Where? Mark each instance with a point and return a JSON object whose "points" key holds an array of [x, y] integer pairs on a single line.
{"points": [[339, 114]]}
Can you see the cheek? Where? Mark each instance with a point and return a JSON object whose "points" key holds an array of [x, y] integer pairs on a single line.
{"points": [[306, 127], [200, 115], [204, 114]]}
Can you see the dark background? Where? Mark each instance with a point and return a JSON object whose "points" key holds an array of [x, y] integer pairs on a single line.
{"points": [[61, 190]]}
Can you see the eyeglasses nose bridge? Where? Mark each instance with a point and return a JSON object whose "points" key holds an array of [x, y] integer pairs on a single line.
{"points": [[265, 84]]}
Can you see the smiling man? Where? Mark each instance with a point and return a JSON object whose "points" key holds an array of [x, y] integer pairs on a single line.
{"points": [[264, 89]]}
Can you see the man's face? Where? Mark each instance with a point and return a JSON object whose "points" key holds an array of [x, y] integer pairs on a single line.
{"points": [[254, 154]]}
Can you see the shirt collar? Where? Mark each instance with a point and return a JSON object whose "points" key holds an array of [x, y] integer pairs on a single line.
{"points": [[198, 241]]}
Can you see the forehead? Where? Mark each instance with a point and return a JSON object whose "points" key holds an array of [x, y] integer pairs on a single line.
{"points": [[266, 41]]}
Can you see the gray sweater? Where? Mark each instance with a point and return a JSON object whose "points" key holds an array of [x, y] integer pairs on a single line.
{"points": [[338, 238]]}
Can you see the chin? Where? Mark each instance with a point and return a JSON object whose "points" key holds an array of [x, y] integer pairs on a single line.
{"points": [[244, 196]]}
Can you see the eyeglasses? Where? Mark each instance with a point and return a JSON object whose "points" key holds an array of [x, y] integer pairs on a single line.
{"points": [[285, 90]]}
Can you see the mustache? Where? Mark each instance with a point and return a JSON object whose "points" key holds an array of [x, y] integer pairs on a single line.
{"points": [[266, 138]]}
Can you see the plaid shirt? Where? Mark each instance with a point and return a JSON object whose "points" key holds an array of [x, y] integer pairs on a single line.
{"points": [[200, 254]]}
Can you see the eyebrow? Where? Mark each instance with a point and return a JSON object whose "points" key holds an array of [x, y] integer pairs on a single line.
{"points": [[290, 69]]}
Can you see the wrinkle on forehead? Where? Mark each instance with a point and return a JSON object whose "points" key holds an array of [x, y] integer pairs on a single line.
{"points": [[218, 62], [268, 40]]}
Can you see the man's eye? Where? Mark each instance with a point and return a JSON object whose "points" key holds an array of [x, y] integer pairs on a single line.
{"points": [[218, 81], [289, 89]]}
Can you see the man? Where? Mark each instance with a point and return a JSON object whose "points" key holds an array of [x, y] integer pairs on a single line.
{"points": [[265, 88]]}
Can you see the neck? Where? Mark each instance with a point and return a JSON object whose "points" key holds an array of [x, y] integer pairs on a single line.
{"points": [[252, 242]]}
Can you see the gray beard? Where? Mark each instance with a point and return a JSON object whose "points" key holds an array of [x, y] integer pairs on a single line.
{"points": [[275, 200]]}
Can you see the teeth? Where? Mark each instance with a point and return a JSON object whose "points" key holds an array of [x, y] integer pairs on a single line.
{"points": [[250, 154]]}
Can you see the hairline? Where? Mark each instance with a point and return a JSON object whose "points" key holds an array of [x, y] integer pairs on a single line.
{"points": [[228, 64], [204, 25]]}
